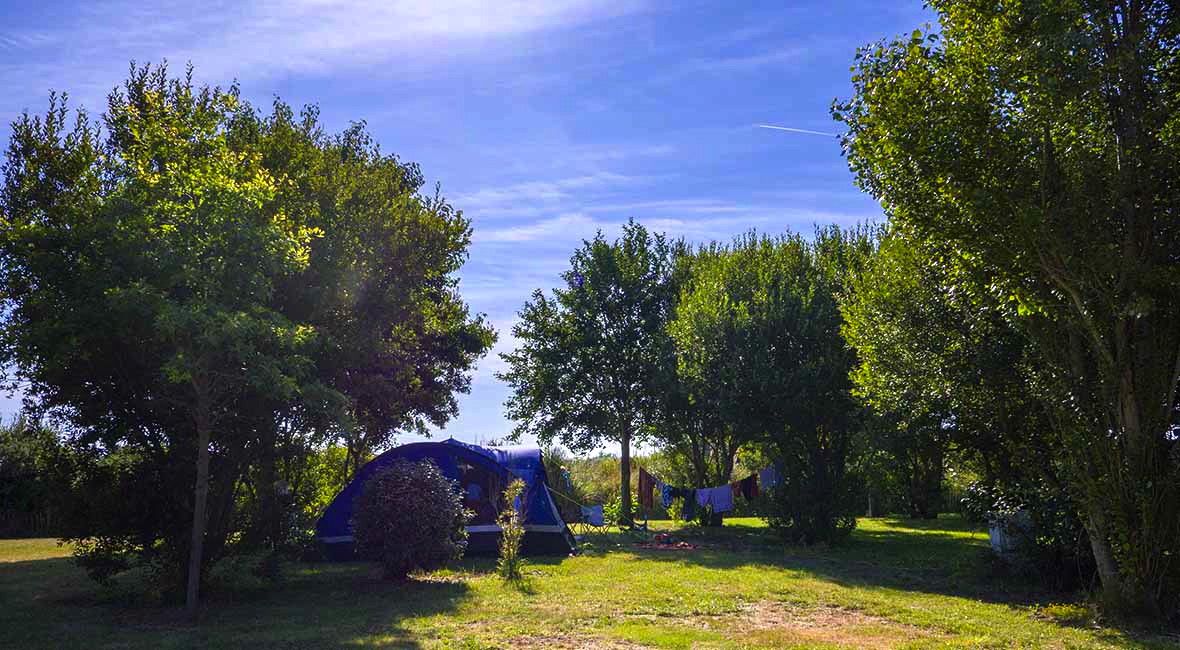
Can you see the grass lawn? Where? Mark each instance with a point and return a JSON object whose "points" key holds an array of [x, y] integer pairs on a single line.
{"points": [[898, 583]]}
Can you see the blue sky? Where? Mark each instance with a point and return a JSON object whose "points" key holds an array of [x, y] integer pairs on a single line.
{"points": [[544, 121]]}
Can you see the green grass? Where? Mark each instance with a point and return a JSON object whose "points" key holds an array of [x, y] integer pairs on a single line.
{"points": [[897, 583]]}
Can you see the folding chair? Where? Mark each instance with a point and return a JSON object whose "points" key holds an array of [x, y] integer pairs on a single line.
{"points": [[592, 520]]}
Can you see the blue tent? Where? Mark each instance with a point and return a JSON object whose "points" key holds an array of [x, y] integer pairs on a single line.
{"points": [[481, 473]]}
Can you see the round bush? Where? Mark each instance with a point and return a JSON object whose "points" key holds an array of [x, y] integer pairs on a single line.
{"points": [[410, 517], [812, 509]]}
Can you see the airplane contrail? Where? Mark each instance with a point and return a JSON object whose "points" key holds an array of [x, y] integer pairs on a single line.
{"points": [[794, 130]]}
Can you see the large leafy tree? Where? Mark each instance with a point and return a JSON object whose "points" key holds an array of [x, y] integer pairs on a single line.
{"points": [[711, 370], [380, 286], [191, 283], [891, 316], [395, 341], [943, 366], [138, 269], [757, 332], [1040, 142], [589, 367]]}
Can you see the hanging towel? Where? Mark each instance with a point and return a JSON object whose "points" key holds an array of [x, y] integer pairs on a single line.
{"points": [[769, 478], [749, 487], [720, 499], [647, 483], [666, 494]]}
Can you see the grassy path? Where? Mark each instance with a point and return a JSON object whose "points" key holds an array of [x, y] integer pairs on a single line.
{"points": [[897, 584]]}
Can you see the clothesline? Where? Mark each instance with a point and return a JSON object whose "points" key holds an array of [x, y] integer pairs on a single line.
{"points": [[719, 499]]}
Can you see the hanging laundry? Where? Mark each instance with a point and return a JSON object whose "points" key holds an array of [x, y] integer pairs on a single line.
{"points": [[720, 499], [647, 483], [769, 478], [666, 494], [689, 496], [749, 487]]}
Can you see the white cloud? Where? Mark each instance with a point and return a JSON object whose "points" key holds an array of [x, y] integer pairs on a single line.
{"points": [[682, 206], [777, 56], [792, 129], [732, 65], [259, 39], [521, 199], [715, 220], [318, 35], [566, 227], [19, 41]]}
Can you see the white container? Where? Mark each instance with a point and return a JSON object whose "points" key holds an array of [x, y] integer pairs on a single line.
{"points": [[1006, 531]]}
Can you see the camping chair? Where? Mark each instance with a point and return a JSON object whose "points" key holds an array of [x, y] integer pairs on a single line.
{"points": [[592, 520], [583, 519]]}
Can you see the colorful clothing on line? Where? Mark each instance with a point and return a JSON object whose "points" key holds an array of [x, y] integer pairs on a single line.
{"points": [[647, 483], [749, 487], [689, 497], [720, 499], [769, 478]]}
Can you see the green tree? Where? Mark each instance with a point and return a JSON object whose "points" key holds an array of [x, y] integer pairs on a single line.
{"points": [[702, 382], [380, 286], [36, 466], [894, 319], [162, 224], [944, 365], [589, 366], [1039, 142], [206, 289], [757, 333]]}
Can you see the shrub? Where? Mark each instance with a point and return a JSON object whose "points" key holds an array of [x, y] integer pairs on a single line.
{"points": [[808, 511], [676, 510], [979, 500], [612, 510], [122, 514], [569, 493], [103, 558], [36, 467], [410, 517], [1054, 547], [512, 534], [596, 479]]}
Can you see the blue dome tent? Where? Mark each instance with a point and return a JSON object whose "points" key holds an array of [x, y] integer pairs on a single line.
{"points": [[482, 473]]}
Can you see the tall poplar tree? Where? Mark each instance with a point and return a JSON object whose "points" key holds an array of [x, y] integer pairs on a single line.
{"points": [[1040, 141]]}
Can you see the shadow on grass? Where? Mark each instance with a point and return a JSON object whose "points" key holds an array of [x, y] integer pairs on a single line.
{"points": [[921, 556], [51, 603], [915, 556]]}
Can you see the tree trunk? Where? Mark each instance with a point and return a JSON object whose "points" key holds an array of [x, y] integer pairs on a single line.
{"points": [[200, 498], [267, 491], [926, 482], [1108, 570], [625, 477]]}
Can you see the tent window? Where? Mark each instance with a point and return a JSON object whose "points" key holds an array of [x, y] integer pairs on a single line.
{"points": [[481, 493]]}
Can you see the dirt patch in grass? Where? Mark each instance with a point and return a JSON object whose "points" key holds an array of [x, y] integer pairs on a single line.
{"points": [[779, 624], [570, 642], [786, 623]]}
